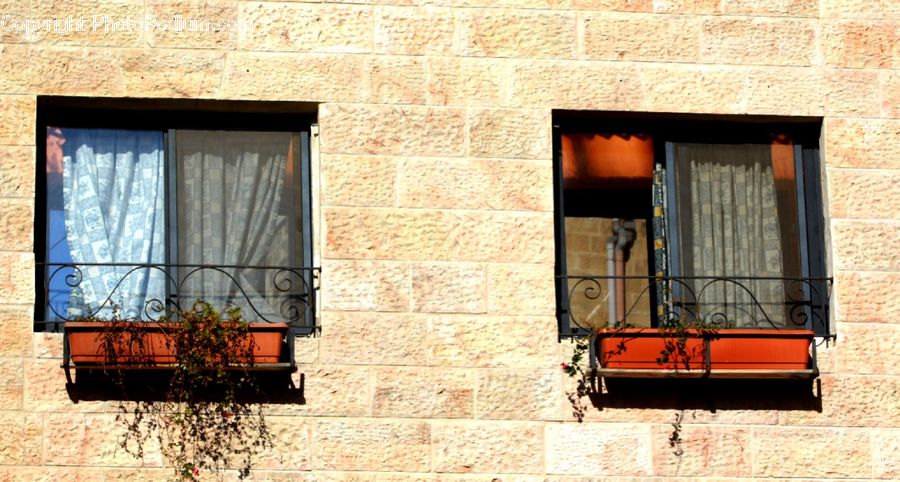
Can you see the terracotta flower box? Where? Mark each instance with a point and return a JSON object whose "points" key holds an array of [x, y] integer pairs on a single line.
{"points": [[725, 349], [148, 345]]}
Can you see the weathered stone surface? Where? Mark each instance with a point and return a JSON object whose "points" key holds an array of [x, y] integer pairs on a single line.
{"points": [[104, 24], [487, 447], [366, 285], [17, 217], [309, 77], [374, 338], [172, 74], [863, 193], [706, 451], [797, 452], [396, 80], [359, 181], [519, 394], [11, 383], [306, 27], [16, 277], [615, 5], [20, 438], [492, 341], [85, 72], [787, 91], [449, 288], [16, 326], [879, 9], [860, 44], [758, 41], [788, 8], [468, 81], [585, 448], [367, 443], [330, 390], [438, 235], [867, 296], [504, 33], [45, 389], [576, 85], [687, 6], [642, 38], [521, 289], [370, 129], [868, 348], [691, 88], [420, 31], [852, 401], [476, 184], [90, 439], [215, 24], [869, 245], [519, 134], [17, 171], [851, 92], [17, 119], [291, 444], [873, 143], [423, 392], [886, 453], [47, 345], [890, 93]]}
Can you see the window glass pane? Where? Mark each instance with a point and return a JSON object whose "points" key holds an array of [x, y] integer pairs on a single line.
{"points": [[737, 218], [238, 209], [105, 218]]}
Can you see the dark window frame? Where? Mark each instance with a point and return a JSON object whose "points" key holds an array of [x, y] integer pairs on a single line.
{"points": [[168, 116], [666, 128]]}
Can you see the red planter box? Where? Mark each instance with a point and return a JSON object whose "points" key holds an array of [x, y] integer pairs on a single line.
{"points": [[86, 347], [731, 349]]}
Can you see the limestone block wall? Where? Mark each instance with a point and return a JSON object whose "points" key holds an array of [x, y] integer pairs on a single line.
{"points": [[438, 358]]}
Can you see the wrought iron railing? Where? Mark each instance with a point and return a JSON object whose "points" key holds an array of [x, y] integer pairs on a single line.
{"points": [[709, 301], [263, 293]]}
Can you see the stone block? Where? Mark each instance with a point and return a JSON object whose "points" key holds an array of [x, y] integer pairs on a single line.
{"points": [[864, 143], [16, 277], [330, 391], [209, 24], [20, 438], [615, 5], [45, 389], [409, 130], [459, 81], [772, 8], [851, 401], [17, 120], [374, 339], [492, 341], [518, 134], [867, 296], [12, 383], [641, 38], [851, 92], [688, 6], [449, 288], [877, 9], [438, 235], [516, 33], [291, 445], [325, 28], [365, 286], [171, 73], [758, 41], [514, 394], [692, 88], [17, 171], [890, 93], [418, 31], [359, 181], [295, 77], [17, 217], [81, 72], [576, 85], [476, 184], [90, 439], [102, 24], [521, 289], [362, 444], [16, 327], [705, 451], [866, 245], [396, 80], [797, 452], [585, 448], [423, 392], [886, 453], [47, 345], [860, 44], [863, 193], [487, 447], [868, 348], [20, 77]]}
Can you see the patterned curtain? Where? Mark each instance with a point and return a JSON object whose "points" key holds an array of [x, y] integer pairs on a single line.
{"points": [[114, 204]]}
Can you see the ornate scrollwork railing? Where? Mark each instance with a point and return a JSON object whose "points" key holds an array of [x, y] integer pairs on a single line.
{"points": [[148, 291], [711, 301]]}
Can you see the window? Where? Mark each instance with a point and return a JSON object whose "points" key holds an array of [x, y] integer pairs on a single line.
{"points": [[661, 218], [146, 208]]}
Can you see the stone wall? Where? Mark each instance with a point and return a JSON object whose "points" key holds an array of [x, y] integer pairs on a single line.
{"points": [[439, 358]]}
